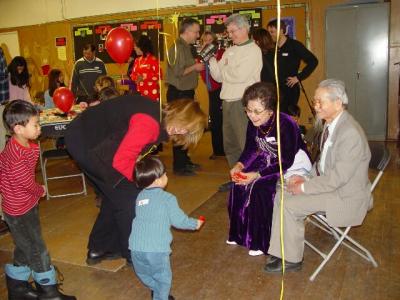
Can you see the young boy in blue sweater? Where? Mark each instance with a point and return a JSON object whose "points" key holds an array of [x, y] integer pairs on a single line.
{"points": [[151, 237]]}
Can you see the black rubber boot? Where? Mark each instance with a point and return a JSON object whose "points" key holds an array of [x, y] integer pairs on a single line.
{"points": [[20, 290], [51, 292]]}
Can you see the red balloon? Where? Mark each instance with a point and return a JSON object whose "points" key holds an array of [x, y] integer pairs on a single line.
{"points": [[63, 98], [119, 44]]}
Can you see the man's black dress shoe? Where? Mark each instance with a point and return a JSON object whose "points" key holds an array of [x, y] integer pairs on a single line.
{"points": [[275, 266], [94, 257], [215, 156], [192, 166], [184, 172], [272, 258]]}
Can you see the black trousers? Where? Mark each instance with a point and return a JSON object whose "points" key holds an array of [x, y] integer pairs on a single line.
{"points": [[180, 156], [113, 225], [290, 96], [30, 248], [215, 112]]}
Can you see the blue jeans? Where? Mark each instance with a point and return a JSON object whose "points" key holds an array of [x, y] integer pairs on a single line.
{"points": [[30, 249], [154, 270]]}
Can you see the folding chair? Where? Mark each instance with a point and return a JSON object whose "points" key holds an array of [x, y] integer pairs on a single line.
{"points": [[45, 156], [380, 157]]}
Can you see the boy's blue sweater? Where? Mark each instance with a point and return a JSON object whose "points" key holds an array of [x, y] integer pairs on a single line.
{"points": [[156, 211]]}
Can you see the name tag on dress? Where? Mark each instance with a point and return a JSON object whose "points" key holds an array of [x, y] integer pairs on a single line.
{"points": [[143, 202], [270, 139], [285, 54]]}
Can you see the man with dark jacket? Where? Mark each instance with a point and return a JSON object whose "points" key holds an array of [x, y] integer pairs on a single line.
{"points": [[290, 54], [86, 71]]}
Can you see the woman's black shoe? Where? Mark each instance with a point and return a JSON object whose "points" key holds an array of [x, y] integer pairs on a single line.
{"points": [[94, 257]]}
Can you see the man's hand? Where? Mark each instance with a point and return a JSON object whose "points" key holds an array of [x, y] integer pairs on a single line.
{"points": [[198, 67], [292, 81], [294, 183]]}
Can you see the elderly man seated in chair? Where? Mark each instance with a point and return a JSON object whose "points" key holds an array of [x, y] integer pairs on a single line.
{"points": [[338, 186]]}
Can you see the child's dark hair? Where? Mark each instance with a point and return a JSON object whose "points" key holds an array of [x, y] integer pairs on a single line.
{"points": [[54, 82], [19, 79], [18, 112], [147, 170], [294, 110]]}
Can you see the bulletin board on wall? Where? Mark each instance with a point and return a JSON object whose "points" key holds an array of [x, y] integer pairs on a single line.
{"points": [[96, 34], [214, 22], [295, 15]]}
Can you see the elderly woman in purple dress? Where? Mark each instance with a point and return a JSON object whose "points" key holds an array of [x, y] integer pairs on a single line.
{"points": [[251, 199]]}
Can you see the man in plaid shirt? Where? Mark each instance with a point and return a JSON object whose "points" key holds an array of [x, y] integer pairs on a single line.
{"points": [[3, 77], [3, 98]]}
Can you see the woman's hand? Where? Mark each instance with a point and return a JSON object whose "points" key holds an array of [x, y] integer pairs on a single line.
{"points": [[247, 178], [236, 169]]}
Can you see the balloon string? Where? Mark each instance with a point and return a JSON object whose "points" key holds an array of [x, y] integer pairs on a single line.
{"points": [[278, 20], [159, 62]]}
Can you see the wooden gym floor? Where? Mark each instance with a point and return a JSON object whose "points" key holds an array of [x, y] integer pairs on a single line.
{"points": [[204, 267]]}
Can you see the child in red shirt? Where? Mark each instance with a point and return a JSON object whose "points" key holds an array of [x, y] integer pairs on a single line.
{"points": [[21, 194]]}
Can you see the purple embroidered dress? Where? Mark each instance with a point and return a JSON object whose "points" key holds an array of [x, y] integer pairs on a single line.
{"points": [[250, 207]]}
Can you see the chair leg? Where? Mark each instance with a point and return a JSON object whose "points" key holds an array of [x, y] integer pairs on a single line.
{"points": [[329, 255], [44, 172]]}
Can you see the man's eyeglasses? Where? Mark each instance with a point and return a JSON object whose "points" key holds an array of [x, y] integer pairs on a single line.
{"points": [[232, 31], [256, 112]]}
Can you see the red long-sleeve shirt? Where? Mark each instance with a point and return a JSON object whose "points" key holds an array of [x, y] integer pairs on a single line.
{"points": [[143, 130], [18, 187], [148, 68]]}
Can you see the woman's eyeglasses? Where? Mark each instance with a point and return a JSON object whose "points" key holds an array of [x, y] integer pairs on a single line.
{"points": [[256, 112]]}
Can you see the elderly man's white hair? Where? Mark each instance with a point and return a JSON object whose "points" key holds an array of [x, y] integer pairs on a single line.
{"points": [[336, 88], [240, 21]]}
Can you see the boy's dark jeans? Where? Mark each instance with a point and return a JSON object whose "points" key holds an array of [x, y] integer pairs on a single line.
{"points": [[30, 249]]}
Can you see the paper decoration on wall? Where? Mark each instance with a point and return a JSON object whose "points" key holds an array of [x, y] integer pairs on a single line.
{"points": [[147, 25], [102, 31], [254, 16], [61, 41], [129, 26], [62, 53], [84, 31], [216, 19]]}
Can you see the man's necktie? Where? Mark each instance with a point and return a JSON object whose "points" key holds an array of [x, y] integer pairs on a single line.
{"points": [[323, 140]]}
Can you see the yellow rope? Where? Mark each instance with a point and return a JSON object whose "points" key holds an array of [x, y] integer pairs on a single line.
{"points": [[159, 62], [152, 148], [278, 7]]}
